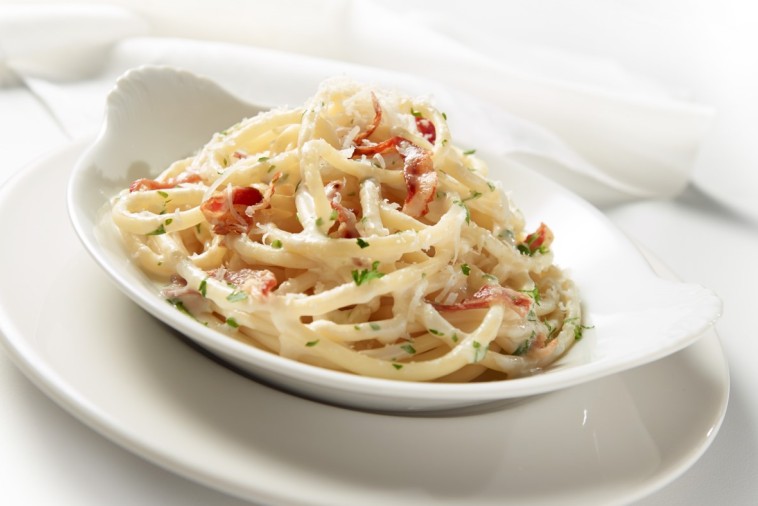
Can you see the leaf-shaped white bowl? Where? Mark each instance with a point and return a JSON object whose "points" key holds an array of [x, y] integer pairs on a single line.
{"points": [[156, 115]]}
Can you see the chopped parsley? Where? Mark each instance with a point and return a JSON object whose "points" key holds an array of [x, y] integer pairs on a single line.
{"points": [[163, 194], [319, 221], [333, 215], [534, 293], [263, 159], [579, 331], [362, 243], [465, 269], [158, 231], [162, 229], [397, 366], [415, 113], [374, 326], [311, 344], [524, 346], [469, 152], [479, 351], [178, 304], [203, 288], [232, 323], [444, 116], [365, 275], [491, 186], [464, 206], [525, 249], [236, 296], [551, 332], [436, 332], [474, 195], [408, 348], [454, 337], [276, 244]]}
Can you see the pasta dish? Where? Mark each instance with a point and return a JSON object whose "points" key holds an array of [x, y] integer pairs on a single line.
{"points": [[352, 234]]}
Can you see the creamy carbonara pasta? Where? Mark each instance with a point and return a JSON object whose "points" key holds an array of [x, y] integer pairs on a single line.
{"points": [[352, 234]]}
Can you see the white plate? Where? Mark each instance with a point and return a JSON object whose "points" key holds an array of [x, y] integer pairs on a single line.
{"points": [[136, 381], [159, 114]]}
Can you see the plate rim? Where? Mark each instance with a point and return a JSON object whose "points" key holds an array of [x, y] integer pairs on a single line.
{"points": [[40, 373]]}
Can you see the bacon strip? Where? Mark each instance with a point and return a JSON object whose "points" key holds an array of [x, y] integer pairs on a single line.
{"points": [[540, 238], [382, 147], [226, 218], [488, 295], [375, 123], [418, 169], [345, 216], [154, 184], [255, 282], [420, 181], [426, 128], [237, 217]]}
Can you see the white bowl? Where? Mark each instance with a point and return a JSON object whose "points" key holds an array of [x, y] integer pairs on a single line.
{"points": [[156, 115]]}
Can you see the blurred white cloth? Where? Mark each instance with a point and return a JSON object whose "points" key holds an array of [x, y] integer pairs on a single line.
{"points": [[587, 123]]}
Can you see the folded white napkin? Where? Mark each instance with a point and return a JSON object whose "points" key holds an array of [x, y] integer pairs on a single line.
{"points": [[602, 132]]}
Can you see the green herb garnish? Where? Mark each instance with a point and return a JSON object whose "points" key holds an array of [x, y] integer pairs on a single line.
{"points": [[158, 231], [409, 349], [479, 351], [365, 275], [236, 296], [464, 206], [534, 293], [524, 346], [465, 269], [362, 243]]}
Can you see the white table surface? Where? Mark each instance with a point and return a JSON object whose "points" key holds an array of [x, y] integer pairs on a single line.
{"points": [[49, 457]]}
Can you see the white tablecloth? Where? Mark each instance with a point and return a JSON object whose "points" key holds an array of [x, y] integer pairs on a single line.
{"points": [[49, 457]]}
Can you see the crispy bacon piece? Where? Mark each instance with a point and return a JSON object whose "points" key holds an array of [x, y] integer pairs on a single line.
{"points": [[418, 171], [345, 216], [382, 147], [154, 184], [266, 200], [237, 217], [227, 215], [539, 240], [426, 128], [488, 295], [375, 123], [255, 282], [420, 181]]}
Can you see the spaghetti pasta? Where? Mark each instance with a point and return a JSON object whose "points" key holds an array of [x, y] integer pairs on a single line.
{"points": [[352, 234]]}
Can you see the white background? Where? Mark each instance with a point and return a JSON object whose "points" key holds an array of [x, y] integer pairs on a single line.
{"points": [[700, 50]]}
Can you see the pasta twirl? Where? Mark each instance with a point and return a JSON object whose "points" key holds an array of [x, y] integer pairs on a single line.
{"points": [[352, 234]]}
